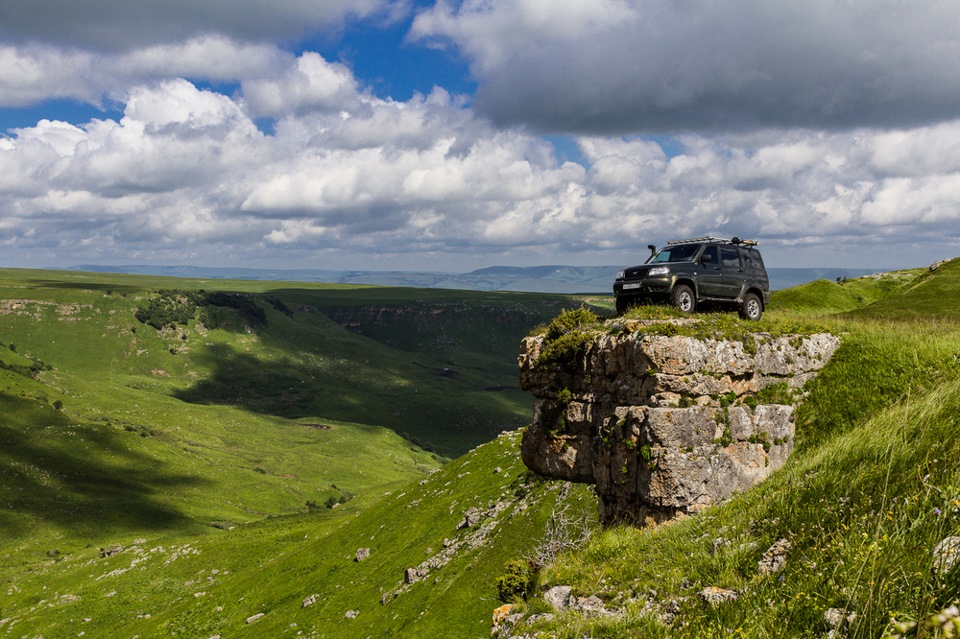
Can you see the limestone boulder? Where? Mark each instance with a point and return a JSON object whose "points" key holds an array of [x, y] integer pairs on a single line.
{"points": [[665, 425]]}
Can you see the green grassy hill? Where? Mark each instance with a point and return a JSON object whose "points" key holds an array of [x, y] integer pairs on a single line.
{"points": [[435, 366], [164, 585], [872, 488], [822, 297], [136, 407]]}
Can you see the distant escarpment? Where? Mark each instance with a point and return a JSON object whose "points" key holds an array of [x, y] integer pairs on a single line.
{"points": [[663, 424]]}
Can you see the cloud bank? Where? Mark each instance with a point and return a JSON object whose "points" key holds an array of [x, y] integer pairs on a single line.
{"points": [[618, 66], [811, 128], [116, 25]]}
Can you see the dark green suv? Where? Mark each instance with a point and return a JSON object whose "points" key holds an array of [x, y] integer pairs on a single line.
{"points": [[686, 273]]}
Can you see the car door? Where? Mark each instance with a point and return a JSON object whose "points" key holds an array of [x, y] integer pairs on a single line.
{"points": [[711, 277], [732, 272]]}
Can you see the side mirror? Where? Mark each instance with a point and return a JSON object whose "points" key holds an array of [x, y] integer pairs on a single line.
{"points": [[706, 259]]}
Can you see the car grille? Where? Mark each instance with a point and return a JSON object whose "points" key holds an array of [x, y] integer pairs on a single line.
{"points": [[635, 273]]}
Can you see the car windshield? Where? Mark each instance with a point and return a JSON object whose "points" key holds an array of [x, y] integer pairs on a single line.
{"points": [[677, 253]]}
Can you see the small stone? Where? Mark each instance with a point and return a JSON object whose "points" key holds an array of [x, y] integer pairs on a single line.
{"points": [[940, 263], [255, 617], [362, 554], [946, 554], [503, 621], [351, 614], [413, 575], [591, 606], [470, 518], [715, 596], [500, 614], [309, 601], [775, 558], [558, 597]]}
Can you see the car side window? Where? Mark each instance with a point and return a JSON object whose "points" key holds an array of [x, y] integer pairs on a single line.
{"points": [[752, 259], [729, 258]]}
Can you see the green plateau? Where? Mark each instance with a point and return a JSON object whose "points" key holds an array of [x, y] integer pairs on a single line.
{"points": [[200, 458]]}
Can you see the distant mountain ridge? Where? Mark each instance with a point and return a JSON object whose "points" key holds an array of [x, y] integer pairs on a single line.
{"points": [[528, 279]]}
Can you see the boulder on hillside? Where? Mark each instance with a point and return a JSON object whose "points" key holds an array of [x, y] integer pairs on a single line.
{"points": [[663, 425]]}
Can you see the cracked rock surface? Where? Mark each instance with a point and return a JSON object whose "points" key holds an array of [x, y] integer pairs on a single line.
{"points": [[665, 425]]}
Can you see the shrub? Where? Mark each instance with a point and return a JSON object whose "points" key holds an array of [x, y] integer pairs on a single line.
{"points": [[780, 393], [567, 337], [515, 584], [571, 321], [172, 307]]}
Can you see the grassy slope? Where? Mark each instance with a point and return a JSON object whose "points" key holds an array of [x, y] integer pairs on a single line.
{"points": [[119, 431], [931, 297], [124, 453], [823, 297], [873, 486], [161, 586], [870, 490]]}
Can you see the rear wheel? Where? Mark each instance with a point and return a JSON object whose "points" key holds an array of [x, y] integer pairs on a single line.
{"points": [[752, 307], [683, 298]]}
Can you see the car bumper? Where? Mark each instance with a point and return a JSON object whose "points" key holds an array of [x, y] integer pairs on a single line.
{"points": [[646, 287]]}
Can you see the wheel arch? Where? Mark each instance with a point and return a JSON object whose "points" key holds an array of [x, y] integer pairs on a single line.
{"points": [[756, 290], [688, 282]]}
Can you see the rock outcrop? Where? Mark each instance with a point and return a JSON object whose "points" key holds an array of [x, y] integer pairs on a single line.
{"points": [[664, 425]]}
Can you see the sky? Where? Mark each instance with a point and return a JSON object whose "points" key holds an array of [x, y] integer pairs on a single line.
{"points": [[451, 135]]}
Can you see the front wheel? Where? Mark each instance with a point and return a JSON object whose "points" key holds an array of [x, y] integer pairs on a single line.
{"points": [[623, 305], [684, 299], [752, 307]]}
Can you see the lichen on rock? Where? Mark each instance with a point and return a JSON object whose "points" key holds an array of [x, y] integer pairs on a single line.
{"points": [[666, 424]]}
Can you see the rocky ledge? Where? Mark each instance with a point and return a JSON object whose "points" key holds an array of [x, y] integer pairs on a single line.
{"points": [[664, 425]]}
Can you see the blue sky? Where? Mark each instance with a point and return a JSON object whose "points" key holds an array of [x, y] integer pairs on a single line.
{"points": [[454, 135]]}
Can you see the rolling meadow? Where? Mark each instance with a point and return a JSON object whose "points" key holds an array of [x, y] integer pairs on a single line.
{"points": [[200, 458]]}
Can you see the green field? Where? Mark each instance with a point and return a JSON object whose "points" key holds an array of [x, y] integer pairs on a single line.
{"points": [[176, 482], [243, 400]]}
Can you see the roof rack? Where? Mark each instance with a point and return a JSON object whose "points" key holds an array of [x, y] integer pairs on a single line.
{"points": [[718, 240]]}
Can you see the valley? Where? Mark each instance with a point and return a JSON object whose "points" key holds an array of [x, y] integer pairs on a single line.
{"points": [[219, 476]]}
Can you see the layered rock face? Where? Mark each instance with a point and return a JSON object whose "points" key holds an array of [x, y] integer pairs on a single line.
{"points": [[666, 425]]}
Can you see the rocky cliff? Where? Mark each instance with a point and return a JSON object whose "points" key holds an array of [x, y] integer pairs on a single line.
{"points": [[665, 424]]}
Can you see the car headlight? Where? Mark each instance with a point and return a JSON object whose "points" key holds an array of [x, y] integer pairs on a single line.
{"points": [[620, 275], [659, 270]]}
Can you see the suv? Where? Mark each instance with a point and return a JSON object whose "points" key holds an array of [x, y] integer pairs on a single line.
{"points": [[705, 269]]}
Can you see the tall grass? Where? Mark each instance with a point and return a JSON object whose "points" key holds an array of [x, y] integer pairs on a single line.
{"points": [[863, 512], [872, 488]]}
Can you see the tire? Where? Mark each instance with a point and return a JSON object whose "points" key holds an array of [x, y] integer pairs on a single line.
{"points": [[623, 305], [684, 299], [752, 307]]}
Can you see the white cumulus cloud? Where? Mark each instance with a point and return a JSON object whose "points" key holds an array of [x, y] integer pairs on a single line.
{"points": [[796, 124]]}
